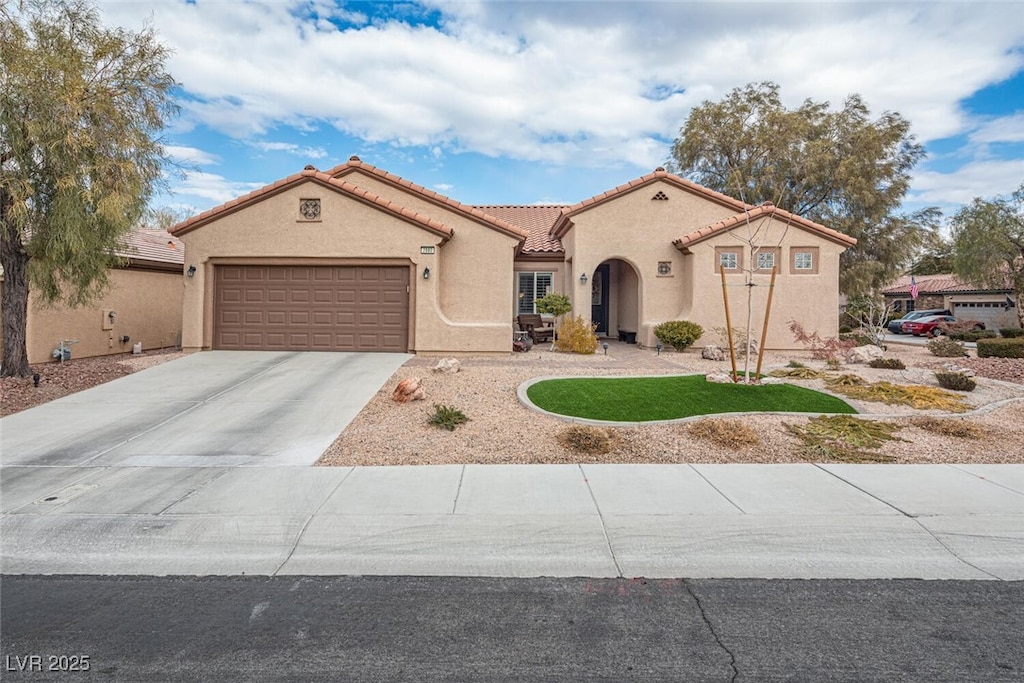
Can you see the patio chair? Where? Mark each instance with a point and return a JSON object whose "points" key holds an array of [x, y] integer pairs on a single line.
{"points": [[533, 324]]}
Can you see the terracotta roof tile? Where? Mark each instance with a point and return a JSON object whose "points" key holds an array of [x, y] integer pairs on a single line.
{"points": [[940, 283], [536, 220], [660, 174], [765, 210], [311, 174], [354, 164], [153, 245]]}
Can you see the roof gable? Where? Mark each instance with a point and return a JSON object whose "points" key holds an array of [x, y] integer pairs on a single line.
{"points": [[564, 222], [356, 165], [536, 220], [766, 210], [310, 174]]}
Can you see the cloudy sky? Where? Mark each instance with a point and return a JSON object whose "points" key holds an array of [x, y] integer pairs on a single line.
{"points": [[554, 102]]}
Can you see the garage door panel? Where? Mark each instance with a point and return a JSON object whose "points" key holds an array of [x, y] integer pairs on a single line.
{"points": [[311, 308]]}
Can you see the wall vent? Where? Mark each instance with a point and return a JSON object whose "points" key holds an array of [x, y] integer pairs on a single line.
{"points": [[661, 197]]}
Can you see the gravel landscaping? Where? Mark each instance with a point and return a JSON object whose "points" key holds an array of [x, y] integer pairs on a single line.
{"points": [[502, 430]]}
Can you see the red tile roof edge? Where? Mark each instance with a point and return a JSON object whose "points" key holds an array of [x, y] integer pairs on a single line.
{"points": [[940, 283], [151, 245], [356, 164], [564, 222], [306, 175], [764, 210]]}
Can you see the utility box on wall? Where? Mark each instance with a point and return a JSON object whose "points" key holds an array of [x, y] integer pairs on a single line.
{"points": [[109, 316]]}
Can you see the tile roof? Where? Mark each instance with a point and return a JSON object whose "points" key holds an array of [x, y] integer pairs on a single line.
{"points": [[660, 174], [940, 283], [310, 174], [355, 164], [536, 220], [765, 210], [158, 246]]}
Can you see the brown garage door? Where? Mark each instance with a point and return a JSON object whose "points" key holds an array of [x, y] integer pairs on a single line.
{"points": [[307, 308]]}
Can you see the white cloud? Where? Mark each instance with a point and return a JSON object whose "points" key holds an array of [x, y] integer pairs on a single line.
{"points": [[1003, 129], [571, 82], [444, 188], [976, 179], [290, 148], [190, 155], [213, 187]]}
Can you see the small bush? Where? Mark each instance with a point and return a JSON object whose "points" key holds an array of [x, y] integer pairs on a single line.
{"points": [[679, 334], [973, 335], [726, 433], [1011, 332], [946, 348], [795, 364], [553, 304], [1001, 348], [845, 329], [447, 417], [953, 427], [588, 439], [957, 381], [887, 364], [576, 335]]}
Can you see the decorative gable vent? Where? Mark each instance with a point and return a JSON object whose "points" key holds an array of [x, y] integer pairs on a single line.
{"points": [[661, 197], [309, 209]]}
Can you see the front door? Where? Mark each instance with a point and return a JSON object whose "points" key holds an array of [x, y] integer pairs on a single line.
{"points": [[599, 299]]}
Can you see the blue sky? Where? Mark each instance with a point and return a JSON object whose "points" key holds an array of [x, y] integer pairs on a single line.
{"points": [[554, 102]]}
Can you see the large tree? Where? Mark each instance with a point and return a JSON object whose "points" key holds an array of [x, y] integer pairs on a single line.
{"points": [[988, 244], [81, 110], [837, 167]]}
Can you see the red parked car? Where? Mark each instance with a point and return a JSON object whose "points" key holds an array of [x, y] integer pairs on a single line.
{"points": [[932, 325]]}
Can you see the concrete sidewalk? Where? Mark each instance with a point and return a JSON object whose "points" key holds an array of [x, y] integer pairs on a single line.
{"points": [[694, 521]]}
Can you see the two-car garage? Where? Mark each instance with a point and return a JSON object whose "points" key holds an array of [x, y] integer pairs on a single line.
{"points": [[311, 308]]}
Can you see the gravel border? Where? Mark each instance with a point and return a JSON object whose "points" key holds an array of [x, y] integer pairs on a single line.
{"points": [[503, 430]]}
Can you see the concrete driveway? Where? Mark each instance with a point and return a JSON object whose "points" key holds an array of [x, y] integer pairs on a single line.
{"points": [[217, 408]]}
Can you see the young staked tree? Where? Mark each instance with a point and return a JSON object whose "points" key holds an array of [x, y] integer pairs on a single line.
{"points": [[988, 244], [81, 110], [838, 168]]}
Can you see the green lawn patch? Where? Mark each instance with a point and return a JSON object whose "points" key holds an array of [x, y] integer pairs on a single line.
{"points": [[643, 399]]}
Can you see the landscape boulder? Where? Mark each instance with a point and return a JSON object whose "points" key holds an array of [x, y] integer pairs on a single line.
{"points": [[409, 389], [448, 366], [863, 354], [712, 352], [718, 378]]}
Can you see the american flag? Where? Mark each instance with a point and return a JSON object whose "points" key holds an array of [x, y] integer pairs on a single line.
{"points": [[913, 288]]}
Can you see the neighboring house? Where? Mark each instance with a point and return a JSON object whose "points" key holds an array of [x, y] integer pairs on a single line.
{"points": [[145, 298], [994, 307], [356, 258]]}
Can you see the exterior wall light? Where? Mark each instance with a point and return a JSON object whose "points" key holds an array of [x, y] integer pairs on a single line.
{"points": [[426, 273], [191, 272], [583, 278], [604, 345]]}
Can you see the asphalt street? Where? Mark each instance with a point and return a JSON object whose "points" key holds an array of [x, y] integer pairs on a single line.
{"points": [[499, 629]]}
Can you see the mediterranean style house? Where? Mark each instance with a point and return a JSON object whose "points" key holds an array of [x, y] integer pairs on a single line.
{"points": [[356, 258], [966, 300]]}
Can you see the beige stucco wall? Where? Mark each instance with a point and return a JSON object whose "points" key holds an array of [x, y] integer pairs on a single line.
{"points": [[636, 233], [811, 299], [148, 310], [461, 308]]}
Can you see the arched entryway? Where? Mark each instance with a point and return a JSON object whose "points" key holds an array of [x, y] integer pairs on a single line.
{"points": [[614, 298]]}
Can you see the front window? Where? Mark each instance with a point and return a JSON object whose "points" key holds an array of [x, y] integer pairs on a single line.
{"points": [[728, 260], [765, 260], [803, 260], [532, 286]]}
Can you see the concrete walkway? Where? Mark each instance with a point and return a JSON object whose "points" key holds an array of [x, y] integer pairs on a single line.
{"points": [[695, 521]]}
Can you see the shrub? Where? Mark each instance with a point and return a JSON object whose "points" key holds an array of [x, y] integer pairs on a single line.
{"points": [[577, 336], [887, 364], [844, 438], [795, 364], [553, 304], [946, 348], [826, 348], [973, 335], [845, 329], [833, 364], [679, 334], [588, 439], [731, 434], [447, 417], [845, 380], [1011, 332], [957, 381], [1001, 348]]}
